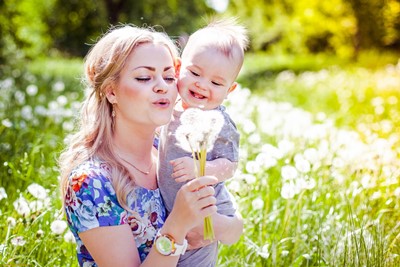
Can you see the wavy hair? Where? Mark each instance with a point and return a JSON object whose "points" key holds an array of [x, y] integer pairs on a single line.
{"points": [[103, 65]]}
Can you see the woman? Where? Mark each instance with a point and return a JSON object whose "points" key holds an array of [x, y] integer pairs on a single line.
{"points": [[108, 171]]}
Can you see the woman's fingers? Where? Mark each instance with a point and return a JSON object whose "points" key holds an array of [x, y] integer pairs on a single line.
{"points": [[200, 182]]}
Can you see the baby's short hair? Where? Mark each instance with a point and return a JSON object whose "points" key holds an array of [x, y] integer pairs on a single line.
{"points": [[225, 35]]}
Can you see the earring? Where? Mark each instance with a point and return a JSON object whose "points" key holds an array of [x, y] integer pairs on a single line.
{"points": [[113, 111]]}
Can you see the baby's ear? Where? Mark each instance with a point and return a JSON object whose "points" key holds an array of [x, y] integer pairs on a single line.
{"points": [[178, 64], [233, 87]]}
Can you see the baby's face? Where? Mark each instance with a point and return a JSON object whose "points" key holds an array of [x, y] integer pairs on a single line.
{"points": [[206, 77]]}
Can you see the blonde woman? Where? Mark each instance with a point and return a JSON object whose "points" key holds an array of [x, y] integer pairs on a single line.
{"points": [[108, 170]]}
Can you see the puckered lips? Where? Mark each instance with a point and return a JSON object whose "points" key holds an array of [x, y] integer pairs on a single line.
{"points": [[162, 102]]}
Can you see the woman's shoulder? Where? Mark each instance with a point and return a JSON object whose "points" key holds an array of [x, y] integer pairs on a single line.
{"points": [[90, 173]]}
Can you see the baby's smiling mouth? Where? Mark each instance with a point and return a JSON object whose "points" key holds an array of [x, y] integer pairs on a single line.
{"points": [[196, 95]]}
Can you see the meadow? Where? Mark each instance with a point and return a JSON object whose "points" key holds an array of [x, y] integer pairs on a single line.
{"points": [[319, 176]]}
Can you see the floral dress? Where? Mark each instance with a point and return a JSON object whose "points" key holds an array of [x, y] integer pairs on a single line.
{"points": [[92, 202]]}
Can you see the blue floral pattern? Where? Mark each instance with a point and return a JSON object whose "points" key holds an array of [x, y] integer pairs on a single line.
{"points": [[91, 202]]}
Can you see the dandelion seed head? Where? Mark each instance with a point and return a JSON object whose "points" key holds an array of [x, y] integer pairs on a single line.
{"points": [[7, 123], [26, 113], [252, 167], [254, 139], [289, 172], [36, 205], [18, 241], [21, 205], [39, 233], [11, 222], [266, 160], [249, 178], [3, 193], [58, 86], [288, 190], [257, 204], [197, 128], [234, 186], [58, 227], [397, 192], [31, 89], [284, 253], [37, 191], [264, 252], [301, 164], [69, 237]]}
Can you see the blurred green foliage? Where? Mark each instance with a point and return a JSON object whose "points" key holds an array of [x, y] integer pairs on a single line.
{"points": [[37, 28]]}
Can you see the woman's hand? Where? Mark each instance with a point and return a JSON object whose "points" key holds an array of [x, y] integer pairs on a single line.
{"points": [[194, 201]]}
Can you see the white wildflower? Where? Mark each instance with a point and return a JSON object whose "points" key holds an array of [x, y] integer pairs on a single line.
{"points": [[397, 192], [266, 160], [11, 222], [18, 241], [284, 253], [58, 227], [3, 193], [21, 205], [302, 165], [265, 251], [288, 190], [257, 204], [58, 86], [39, 233], [289, 172], [253, 167], [234, 186], [37, 191], [69, 237], [31, 90], [36, 205], [249, 178]]}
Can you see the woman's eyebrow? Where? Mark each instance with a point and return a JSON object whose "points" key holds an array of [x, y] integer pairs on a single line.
{"points": [[152, 68]]}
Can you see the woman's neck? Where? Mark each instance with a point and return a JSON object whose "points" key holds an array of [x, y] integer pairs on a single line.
{"points": [[136, 142]]}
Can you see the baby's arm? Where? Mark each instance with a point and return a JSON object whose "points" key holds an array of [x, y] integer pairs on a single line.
{"points": [[184, 169]]}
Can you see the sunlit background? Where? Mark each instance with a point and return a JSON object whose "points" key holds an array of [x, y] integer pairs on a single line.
{"points": [[318, 110]]}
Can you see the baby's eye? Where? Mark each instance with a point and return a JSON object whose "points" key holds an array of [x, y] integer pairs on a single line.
{"points": [[194, 73], [217, 84], [143, 79]]}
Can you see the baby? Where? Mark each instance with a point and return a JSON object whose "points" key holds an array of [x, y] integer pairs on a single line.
{"points": [[210, 64]]}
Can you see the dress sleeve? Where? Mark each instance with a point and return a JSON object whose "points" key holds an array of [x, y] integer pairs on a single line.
{"points": [[91, 201]]}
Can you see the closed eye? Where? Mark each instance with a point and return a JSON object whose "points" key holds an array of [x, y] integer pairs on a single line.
{"points": [[143, 79], [170, 79], [194, 73], [217, 84]]}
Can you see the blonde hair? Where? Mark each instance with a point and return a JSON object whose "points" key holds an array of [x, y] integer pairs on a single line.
{"points": [[226, 35], [103, 65]]}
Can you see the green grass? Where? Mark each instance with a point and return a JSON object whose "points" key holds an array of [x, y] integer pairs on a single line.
{"points": [[318, 182]]}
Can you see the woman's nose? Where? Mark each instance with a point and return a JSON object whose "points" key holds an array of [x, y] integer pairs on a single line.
{"points": [[161, 87]]}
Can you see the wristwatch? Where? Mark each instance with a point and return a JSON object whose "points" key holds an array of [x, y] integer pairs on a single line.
{"points": [[166, 245]]}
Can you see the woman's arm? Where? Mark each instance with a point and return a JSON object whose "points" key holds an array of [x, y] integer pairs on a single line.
{"points": [[113, 245]]}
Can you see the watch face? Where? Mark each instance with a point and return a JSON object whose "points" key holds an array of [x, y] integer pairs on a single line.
{"points": [[164, 245]]}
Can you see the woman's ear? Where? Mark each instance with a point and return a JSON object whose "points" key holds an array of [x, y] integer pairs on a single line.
{"points": [[110, 94], [178, 64]]}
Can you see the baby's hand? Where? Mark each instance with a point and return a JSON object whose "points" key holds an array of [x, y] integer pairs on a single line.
{"points": [[184, 169]]}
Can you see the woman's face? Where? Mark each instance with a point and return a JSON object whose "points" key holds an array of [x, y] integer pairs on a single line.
{"points": [[146, 90]]}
